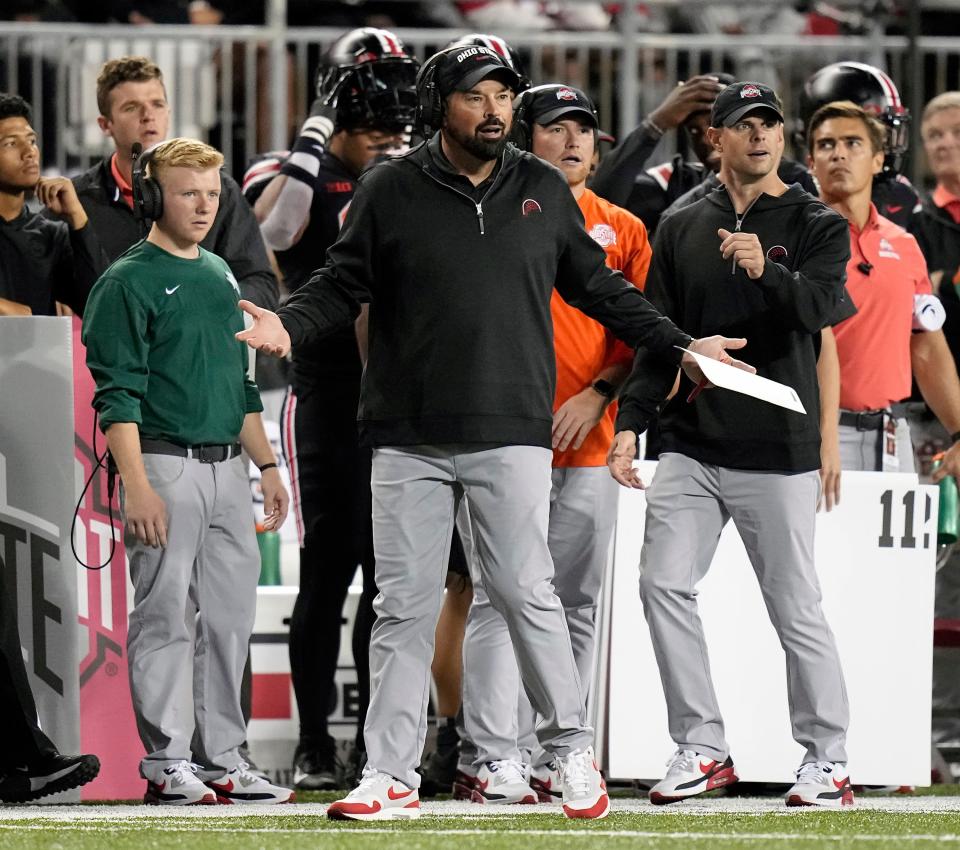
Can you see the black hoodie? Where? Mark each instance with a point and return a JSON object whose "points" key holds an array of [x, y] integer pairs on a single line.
{"points": [[459, 280], [807, 247]]}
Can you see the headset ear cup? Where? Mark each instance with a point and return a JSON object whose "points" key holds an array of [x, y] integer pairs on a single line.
{"points": [[153, 199]]}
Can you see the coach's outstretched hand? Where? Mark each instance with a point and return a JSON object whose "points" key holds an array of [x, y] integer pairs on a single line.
{"points": [[715, 347], [267, 333], [623, 451]]}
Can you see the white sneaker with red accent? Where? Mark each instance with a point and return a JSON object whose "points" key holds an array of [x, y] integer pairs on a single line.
{"points": [[584, 793], [545, 781], [378, 797], [502, 782], [178, 785], [821, 783], [689, 774], [242, 785]]}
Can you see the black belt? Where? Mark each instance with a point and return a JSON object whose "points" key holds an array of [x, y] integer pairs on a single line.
{"points": [[867, 420], [205, 454]]}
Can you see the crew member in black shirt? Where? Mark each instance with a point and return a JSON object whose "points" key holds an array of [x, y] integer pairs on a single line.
{"points": [[43, 262]]}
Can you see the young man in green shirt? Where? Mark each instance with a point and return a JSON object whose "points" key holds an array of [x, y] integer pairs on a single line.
{"points": [[176, 404]]}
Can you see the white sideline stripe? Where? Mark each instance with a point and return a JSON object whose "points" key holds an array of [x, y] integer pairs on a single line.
{"points": [[449, 809], [126, 826]]}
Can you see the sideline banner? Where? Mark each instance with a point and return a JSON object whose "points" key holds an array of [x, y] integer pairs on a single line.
{"points": [[36, 504], [876, 563], [107, 725]]}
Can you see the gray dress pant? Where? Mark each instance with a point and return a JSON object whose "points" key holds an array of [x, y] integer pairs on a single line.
{"points": [[193, 613], [860, 450], [416, 493], [583, 512], [688, 505]]}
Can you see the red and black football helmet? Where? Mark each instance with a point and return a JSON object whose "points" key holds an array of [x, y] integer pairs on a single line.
{"points": [[500, 47], [869, 88], [370, 77]]}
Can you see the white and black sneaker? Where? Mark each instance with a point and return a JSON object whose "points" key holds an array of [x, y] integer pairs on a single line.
{"points": [[239, 785], [821, 783], [48, 775], [178, 785], [502, 782], [689, 774]]}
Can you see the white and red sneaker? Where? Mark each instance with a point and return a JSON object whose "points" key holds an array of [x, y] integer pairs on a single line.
{"points": [[241, 785], [502, 782], [178, 785], [821, 783], [584, 793], [546, 782], [378, 797], [689, 774], [464, 782]]}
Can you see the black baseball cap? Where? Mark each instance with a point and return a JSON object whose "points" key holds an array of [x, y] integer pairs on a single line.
{"points": [[739, 99], [552, 102], [461, 69]]}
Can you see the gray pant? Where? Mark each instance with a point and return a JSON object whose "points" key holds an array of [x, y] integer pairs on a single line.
{"points": [[688, 505], [583, 511], [859, 450], [416, 491], [194, 606]]}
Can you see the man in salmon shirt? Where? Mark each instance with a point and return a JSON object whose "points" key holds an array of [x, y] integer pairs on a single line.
{"points": [[499, 757], [896, 330]]}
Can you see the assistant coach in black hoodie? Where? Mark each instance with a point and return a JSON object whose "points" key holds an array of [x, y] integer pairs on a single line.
{"points": [[457, 247], [767, 262]]}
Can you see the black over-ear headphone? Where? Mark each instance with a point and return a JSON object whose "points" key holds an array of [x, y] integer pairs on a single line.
{"points": [[429, 101], [147, 195], [521, 133]]}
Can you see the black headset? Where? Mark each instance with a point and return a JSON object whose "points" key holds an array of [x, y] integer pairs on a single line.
{"points": [[147, 195], [521, 134], [429, 101]]}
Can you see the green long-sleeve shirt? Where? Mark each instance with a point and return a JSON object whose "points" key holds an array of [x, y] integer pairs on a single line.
{"points": [[159, 332]]}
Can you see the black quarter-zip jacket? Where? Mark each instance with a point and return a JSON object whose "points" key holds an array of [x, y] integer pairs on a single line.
{"points": [[807, 246], [459, 280]]}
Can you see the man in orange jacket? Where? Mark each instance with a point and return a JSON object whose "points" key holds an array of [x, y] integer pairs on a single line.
{"points": [[500, 761]]}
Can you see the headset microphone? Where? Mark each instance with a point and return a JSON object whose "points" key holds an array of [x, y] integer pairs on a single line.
{"points": [[865, 267]]}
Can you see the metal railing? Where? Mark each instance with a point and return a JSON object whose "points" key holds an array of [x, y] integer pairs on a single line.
{"points": [[245, 89]]}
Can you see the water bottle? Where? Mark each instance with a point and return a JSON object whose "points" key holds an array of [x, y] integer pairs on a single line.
{"points": [[948, 515], [269, 543]]}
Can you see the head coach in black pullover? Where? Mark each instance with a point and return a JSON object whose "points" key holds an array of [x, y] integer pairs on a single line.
{"points": [[457, 247], [756, 259]]}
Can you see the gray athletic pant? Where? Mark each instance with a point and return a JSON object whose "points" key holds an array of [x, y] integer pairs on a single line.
{"points": [[859, 450], [416, 492], [194, 606], [688, 505], [583, 511]]}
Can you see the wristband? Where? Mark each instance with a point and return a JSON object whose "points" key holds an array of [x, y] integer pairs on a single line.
{"points": [[659, 131], [605, 388], [267, 466]]}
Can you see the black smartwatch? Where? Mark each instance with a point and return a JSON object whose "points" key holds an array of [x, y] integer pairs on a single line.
{"points": [[605, 388]]}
